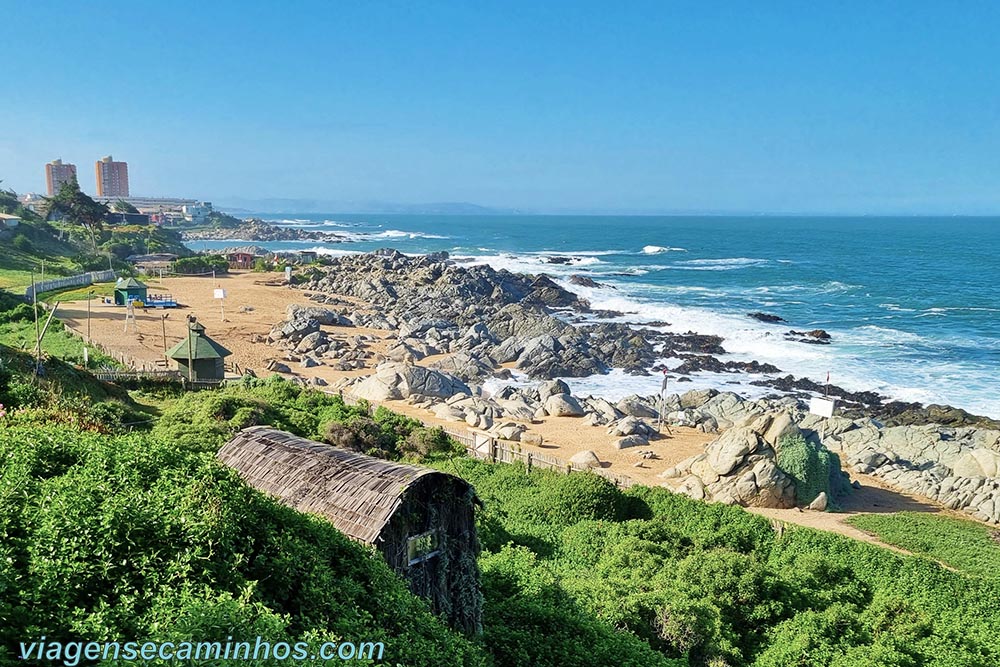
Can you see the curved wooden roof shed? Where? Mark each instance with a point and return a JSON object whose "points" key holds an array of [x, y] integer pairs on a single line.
{"points": [[421, 520]]}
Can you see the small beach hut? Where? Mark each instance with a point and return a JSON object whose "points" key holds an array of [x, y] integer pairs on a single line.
{"points": [[198, 357], [129, 290], [241, 259], [420, 520]]}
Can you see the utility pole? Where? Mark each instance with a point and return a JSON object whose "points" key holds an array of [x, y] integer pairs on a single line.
{"points": [[190, 351], [38, 338], [90, 297]]}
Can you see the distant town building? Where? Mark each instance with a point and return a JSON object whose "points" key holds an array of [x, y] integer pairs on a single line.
{"points": [[112, 178], [8, 221], [57, 173], [197, 213]]}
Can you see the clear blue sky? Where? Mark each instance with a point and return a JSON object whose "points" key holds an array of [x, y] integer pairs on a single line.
{"points": [[859, 107]]}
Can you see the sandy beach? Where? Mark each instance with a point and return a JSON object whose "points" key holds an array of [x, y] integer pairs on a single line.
{"points": [[252, 307]]}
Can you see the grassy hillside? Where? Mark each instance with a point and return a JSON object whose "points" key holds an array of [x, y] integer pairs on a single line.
{"points": [[68, 247], [964, 545]]}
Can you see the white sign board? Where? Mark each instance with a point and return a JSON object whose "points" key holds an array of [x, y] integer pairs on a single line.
{"points": [[220, 294], [822, 407]]}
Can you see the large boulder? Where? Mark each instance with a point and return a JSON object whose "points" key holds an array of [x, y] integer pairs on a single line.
{"points": [[552, 388], [321, 315], [731, 448], [781, 426], [636, 406], [977, 463], [395, 381], [465, 366], [696, 398], [585, 459], [563, 405], [631, 426]]}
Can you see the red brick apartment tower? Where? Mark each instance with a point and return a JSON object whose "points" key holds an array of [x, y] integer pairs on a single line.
{"points": [[112, 178], [58, 172]]}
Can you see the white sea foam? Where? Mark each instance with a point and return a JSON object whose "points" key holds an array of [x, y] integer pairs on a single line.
{"points": [[399, 234], [659, 249], [334, 252], [726, 264]]}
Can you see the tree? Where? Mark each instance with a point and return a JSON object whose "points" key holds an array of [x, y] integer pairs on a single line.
{"points": [[122, 206], [75, 205]]}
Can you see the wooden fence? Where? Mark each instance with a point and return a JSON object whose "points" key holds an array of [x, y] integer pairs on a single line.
{"points": [[485, 447], [68, 281]]}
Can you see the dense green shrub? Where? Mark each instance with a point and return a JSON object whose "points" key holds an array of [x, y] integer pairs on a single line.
{"points": [[424, 442], [814, 469], [22, 243], [201, 264], [109, 538]]}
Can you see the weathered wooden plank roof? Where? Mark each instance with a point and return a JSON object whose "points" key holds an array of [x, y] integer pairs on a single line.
{"points": [[357, 493]]}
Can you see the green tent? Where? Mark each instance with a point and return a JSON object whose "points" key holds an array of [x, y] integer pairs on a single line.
{"points": [[128, 290], [198, 357]]}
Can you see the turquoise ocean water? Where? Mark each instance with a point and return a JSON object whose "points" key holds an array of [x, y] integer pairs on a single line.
{"points": [[911, 303]]}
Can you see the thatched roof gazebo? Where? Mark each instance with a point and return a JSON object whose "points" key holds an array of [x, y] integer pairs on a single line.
{"points": [[421, 520]]}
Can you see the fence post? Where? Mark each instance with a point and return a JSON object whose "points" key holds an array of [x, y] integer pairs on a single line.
{"points": [[529, 461]]}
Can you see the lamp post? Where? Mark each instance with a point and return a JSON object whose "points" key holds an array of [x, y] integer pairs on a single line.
{"points": [[90, 296]]}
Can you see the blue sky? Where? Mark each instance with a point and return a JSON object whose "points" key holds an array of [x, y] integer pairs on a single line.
{"points": [[846, 107]]}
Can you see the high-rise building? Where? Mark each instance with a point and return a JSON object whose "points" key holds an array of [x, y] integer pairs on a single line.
{"points": [[58, 172], [112, 178]]}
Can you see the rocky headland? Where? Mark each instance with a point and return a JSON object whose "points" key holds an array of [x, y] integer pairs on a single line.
{"points": [[452, 327], [254, 230]]}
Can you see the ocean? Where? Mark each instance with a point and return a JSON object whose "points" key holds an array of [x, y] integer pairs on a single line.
{"points": [[910, 303]]}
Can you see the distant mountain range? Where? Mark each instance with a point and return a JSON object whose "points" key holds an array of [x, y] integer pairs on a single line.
{"points": [[284, 205]]}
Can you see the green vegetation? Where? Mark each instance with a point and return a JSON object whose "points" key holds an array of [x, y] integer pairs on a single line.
{"points": [[105, 538], [814, 468], [201, 264], [76, 240], [706, 583], [117, 521], [204, 422], [79, 293], [964, 545]]}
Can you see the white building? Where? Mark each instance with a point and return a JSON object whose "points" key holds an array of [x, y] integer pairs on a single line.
{"points": [[196, 213], [9, 221]]}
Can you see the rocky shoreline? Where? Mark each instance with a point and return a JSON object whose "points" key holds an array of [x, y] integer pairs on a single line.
{"points": [[259, 231], [479, 323]]}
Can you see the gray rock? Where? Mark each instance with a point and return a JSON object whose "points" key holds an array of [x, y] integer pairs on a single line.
{"points": [[585, 459], [552, 388], [631, 441], [563, 405], [819, 503], [695, 398], [731, 448], [634, 406]]}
